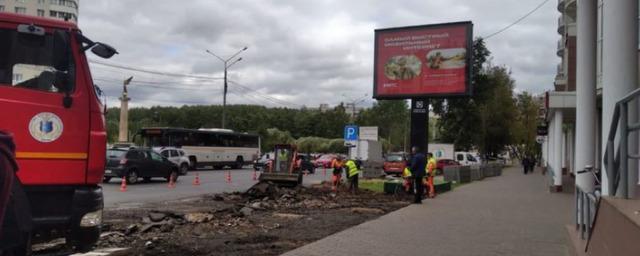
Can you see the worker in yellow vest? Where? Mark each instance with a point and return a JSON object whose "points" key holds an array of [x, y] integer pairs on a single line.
{"points": [[352, 173], [431, 172], [407, 177]]}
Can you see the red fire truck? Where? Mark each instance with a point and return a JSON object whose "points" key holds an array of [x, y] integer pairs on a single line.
{"points": [[49, 103]]}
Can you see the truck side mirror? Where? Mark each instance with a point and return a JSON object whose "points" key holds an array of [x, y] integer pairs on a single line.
{"points": [[103, 50]]}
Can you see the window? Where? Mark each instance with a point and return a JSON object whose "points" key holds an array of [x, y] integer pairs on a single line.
{"points": [[135, 155], [17, 78], [1, 8], [156, 157], [40, 13], [470, 158], [460, 157], [174, 153], [165, 153], [21, 10], [40, 1], [26, 61], [21, 1], [181, 153]]}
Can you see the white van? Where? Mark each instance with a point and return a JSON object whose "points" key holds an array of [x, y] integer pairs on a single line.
{"points": [[467, 158]]}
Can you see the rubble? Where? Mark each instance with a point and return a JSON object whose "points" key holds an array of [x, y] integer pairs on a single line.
{"points": [[265, 220]]}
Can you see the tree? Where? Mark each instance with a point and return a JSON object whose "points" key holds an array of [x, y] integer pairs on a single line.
{"points": [[485, 119]]}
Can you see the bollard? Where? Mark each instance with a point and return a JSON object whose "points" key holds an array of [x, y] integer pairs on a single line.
{"points": [[123, 185], [255, 174], [196, 180], [228, 176]]}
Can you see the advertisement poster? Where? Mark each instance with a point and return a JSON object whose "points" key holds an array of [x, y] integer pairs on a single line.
{"points": [[423, 61]]}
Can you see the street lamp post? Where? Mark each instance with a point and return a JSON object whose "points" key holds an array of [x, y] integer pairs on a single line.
{"points": [[226, 66]]}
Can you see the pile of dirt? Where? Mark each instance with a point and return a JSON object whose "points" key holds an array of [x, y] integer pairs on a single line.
{"points": [[266, 220]]}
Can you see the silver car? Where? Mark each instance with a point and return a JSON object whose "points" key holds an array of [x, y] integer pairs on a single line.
{"points": [[177, 156]]}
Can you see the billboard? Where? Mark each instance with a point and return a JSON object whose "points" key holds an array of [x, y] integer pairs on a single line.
{"points": [[423, 61]]}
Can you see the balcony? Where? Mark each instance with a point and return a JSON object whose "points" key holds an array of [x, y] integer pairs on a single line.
{"points": [[561, 25], [561, 4], [560, 51]]}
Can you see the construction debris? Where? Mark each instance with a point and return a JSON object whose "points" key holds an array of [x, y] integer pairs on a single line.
{"points": [[265, 220]]}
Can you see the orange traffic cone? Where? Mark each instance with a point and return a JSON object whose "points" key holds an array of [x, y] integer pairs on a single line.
{"points": [[172, 183], [123, 185], [196, 180], [228, 176], [255, 175]]}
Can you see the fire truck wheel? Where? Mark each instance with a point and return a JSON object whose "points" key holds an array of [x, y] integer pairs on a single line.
{"points": [[83, 239], [132, 176], [239, 163], [106, 179]]}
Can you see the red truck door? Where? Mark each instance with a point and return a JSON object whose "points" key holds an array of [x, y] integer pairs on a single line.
{"points": [[44, 104]]}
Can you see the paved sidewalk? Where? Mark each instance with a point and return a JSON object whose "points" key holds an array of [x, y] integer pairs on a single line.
{"points": [[513, 214]]}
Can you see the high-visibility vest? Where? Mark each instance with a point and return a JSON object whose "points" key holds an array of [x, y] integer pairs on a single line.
{"points": [[406, 172], [431, 165], [352, 168]]}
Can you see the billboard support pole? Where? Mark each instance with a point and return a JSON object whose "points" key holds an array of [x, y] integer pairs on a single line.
{"points": [[419, 123]]}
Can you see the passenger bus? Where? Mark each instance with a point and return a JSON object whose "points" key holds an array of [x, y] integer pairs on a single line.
{"points": [[206, 147]]}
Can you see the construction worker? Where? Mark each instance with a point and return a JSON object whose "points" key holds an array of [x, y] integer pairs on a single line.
{"points": [[407, 182], [283, 159], [337, 164], [431, 172], [352, 171]]}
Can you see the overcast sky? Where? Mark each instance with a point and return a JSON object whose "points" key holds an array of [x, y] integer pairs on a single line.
{"points": [[299, 52]]}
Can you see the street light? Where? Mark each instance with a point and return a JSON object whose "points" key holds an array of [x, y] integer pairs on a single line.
{"points": [[226, 66]]}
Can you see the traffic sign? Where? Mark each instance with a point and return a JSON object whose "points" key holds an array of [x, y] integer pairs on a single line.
{"points": [[351, 132]]}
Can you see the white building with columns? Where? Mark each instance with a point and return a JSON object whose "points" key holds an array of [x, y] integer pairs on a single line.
{"points": [[599, 51]]}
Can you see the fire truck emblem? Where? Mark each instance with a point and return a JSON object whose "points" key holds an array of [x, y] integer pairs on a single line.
{"points": [[46, 127]]}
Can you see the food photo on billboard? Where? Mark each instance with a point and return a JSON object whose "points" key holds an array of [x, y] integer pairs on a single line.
{"points": [[423, 61]]}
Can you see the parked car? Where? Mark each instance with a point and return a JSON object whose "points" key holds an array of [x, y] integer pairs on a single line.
{"points": [[135, 163], [441, 163], [467, 158], [176, 156], [261, 163], [394, 163], [325, 160]]}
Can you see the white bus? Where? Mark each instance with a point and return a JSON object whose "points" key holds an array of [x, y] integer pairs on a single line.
{"points": [[206, 147]]}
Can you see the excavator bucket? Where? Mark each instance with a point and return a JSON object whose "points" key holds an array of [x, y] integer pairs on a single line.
{"points": [[282, 169]]}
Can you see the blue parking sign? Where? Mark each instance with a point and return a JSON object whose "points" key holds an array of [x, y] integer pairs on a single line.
{"points": [[351, 132]]}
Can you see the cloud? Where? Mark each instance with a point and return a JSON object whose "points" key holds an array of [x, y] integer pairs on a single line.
{"points": [[300, 52]]}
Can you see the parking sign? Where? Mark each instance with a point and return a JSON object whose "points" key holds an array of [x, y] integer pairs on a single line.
{"points": [[351, 132]]}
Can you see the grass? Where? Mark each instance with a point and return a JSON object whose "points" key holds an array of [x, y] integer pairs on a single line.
{"points": [[377, 185]]}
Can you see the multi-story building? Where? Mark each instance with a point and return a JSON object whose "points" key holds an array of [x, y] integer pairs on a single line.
{"points": [[59, 9], [594, 121]]}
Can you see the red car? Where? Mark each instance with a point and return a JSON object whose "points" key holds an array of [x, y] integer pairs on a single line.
{"points": [[325, 160], [395, 163], [441, 163]]}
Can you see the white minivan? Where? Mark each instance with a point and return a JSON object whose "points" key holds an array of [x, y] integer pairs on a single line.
{"points": [[466, 158]]}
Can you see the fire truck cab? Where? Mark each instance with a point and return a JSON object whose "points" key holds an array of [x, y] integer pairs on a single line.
{"points": [[48, 102]]}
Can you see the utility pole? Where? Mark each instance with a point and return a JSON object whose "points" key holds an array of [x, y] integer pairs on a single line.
{"points": [[123, 133], [226, 66]]}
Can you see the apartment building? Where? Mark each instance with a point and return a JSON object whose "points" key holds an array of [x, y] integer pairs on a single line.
{"points": [[58, 9]]}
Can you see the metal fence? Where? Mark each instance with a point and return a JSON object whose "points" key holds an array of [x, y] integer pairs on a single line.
{"points": [[586, 204]]}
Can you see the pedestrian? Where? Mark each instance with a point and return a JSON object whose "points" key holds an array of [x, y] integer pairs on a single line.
{"points": [[407, 179], [352, 171], [525, 164], [532, 163], [431, 171], [418, 165], [337, 166]]}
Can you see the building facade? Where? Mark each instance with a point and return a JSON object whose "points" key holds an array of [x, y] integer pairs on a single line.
{"points": [[58, 9]]}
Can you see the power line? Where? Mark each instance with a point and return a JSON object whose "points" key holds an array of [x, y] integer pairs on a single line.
{"points": [[155, 72], [517, 21], [160, 85], [250, 90]]}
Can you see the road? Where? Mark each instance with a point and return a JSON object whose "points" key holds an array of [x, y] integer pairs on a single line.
{"points": [[211, 182]]}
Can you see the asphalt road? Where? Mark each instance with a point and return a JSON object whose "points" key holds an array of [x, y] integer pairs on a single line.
{"points": [[211, 182]]}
